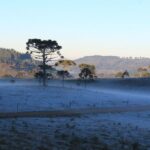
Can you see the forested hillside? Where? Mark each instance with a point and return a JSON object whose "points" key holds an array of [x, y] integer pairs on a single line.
{"points": [[15, 64], [10, 56]]}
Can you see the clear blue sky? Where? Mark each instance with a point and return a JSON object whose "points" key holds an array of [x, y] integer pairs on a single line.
{"points": [[82, 27]]}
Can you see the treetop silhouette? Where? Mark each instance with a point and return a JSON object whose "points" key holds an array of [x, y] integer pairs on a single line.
{"points": [[65, 63], [45, 51]]}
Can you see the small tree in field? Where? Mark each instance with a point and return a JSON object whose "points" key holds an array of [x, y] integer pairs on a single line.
{"points": [[89, 66], [86, 74], [65, 64], [87, 71], [122, 74], [125, 74], [44, 51]]}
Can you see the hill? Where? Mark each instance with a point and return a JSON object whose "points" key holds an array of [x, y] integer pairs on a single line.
{"points": [[13, 63], [16, 59], [12, 56], [110, 64]]}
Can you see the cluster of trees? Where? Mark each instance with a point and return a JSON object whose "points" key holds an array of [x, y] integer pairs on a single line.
{"points": [[9, 56], [20, 64], [141, 72], [48, 52], [43, 58]]}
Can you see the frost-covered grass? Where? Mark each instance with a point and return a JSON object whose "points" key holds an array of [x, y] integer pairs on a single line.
{"points": [[119, 131], [31, 97], [92, 132]]}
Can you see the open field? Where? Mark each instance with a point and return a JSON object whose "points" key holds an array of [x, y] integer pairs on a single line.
{"points": [[105, 114]]}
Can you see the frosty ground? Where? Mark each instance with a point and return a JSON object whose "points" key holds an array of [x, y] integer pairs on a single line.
{"points": [[130, 130]]}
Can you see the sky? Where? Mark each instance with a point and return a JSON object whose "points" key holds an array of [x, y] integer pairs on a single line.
{"points": [[81, 27]]}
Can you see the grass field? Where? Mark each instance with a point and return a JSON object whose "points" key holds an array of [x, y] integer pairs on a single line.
{"points": [[110, 130]]}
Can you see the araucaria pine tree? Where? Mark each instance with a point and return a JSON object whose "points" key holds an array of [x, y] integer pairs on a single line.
{"points": [[45, 51]]}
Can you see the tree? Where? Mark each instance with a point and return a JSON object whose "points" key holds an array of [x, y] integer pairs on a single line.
{"points": [[86, 74], [65, 64], [119, 74], [141, 71], [44, 51], [122, 74], [145, 74], [87, 71], [125, 74], [63, 74], [89, 66]]}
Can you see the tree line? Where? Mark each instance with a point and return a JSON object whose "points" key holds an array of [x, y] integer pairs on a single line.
{"points": [[48, 53]]}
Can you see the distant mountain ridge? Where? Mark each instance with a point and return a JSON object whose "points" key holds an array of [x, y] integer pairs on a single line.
{"points": [[114, 63]]}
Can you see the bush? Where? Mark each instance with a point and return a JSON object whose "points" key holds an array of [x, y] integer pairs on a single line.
{"points": [[145, 74], [119, 74]]}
